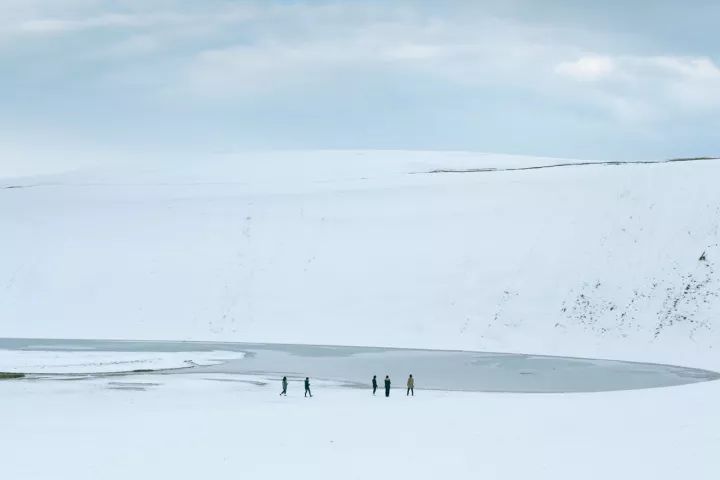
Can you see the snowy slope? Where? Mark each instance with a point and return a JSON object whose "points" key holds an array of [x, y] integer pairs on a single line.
{"points": [[616, 261]]}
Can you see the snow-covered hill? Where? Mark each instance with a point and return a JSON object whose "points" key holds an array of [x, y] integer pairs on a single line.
{"points": [[371, 248]]}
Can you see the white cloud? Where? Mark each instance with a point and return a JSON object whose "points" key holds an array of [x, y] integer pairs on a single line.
{"points": [[587, 68], [78, 19], [225, 51], [696, 68], [54, 25], [487, 52], [297, 53], [646, 88]]}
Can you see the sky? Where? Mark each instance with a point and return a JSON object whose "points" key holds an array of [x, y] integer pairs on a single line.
{"points": [[93, 82]]}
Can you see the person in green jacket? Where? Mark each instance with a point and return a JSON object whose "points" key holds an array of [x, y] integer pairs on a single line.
{"points": [[411, 386], [307, 387], [284, 385]]}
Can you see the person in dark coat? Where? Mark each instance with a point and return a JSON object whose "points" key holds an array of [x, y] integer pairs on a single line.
{"points": [[411, 385], [387, 385], [284, 385], [374, 384], [307, 387]]}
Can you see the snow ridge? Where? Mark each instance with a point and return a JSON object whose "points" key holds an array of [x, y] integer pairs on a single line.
{"points": [[568, 164]]}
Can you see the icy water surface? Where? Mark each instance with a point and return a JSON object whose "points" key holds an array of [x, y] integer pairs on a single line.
{"points": [[433, 369]]}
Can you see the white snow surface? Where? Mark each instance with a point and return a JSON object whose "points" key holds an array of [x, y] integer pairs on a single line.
{"points": [[362, 248], [39, 361], [616, 261], [194, 426]]}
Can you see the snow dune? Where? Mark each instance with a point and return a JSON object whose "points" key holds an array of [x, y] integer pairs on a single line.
{"points": [[610, 261]]}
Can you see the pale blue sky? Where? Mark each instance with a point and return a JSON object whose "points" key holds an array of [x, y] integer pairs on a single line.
{"points": [[86, 82]]}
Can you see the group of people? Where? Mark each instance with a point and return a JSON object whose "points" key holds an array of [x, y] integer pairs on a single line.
{"points": [[285, 385], [410, 386]]}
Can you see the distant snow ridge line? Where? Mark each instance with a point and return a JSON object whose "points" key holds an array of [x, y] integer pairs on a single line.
{"points": [[567, 164], [404, 166]]}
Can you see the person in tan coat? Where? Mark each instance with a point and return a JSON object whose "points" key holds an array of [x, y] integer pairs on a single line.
{"points": [[411, 385]]}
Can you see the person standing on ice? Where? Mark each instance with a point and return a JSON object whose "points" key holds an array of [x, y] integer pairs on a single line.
{"points": [[307, 387], [387, 385], [411, 385], [374, 384], [284, 385]]}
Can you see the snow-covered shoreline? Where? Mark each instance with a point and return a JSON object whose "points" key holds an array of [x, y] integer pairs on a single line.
{"points": [[54, 361]]}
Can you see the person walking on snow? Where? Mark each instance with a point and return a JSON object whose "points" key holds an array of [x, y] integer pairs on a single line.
{"points": [[284, 385], [411, 385], [307, 387], [374, 384], [387, 385]]}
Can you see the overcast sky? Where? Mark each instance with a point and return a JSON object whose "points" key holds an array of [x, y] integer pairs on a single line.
{"points": [[84, 82]]}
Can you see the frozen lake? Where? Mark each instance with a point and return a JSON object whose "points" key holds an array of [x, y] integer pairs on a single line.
{"points": [[433, 369]]}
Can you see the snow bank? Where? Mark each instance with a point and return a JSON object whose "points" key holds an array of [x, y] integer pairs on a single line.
{"points": [[34, 361], [228, 427], [616, 261]]}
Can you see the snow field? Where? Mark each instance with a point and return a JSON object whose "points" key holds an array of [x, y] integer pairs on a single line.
{"points": [[361, 249], [225, 427]]}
